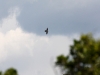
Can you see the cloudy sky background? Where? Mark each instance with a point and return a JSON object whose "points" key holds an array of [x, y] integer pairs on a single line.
{"points": [[23, 43]]}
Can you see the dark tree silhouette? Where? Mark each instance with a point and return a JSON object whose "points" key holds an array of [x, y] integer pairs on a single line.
{"points": [[84, 58], [10, 71]]}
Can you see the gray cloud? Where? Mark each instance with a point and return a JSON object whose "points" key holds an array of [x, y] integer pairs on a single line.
{"points": [[67, 16]]}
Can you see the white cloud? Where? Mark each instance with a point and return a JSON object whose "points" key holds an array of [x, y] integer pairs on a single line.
{"points": [[10, 22], [18, 48], [13, 40]]}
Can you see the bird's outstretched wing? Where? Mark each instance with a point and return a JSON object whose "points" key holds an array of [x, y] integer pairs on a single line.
{"points": [[46, 32]]}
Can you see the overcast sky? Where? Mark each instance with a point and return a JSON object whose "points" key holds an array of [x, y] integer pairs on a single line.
{"points": [[23, 43]]}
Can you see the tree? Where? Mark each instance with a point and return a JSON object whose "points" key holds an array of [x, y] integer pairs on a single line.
{"points": [[84, 58], [0, 72], [10, 71]]}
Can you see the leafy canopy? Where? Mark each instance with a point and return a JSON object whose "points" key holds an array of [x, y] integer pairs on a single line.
{"points": [[84, 58], [10, 71]]}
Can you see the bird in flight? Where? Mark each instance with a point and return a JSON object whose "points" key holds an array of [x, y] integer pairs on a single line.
{"points": [[46, 31]]}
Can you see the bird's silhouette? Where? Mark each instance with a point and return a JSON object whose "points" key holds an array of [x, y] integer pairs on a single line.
{"points": [[46, 31]]}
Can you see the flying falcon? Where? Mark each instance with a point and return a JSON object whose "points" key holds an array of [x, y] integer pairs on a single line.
{"points": [[46, 31]]}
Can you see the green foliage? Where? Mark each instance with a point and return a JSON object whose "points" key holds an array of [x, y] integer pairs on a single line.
{"points": [[10, 71], [0, 72], [85, 57]]}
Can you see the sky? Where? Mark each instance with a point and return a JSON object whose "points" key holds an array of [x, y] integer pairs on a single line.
{"points": [[23, 42]]}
